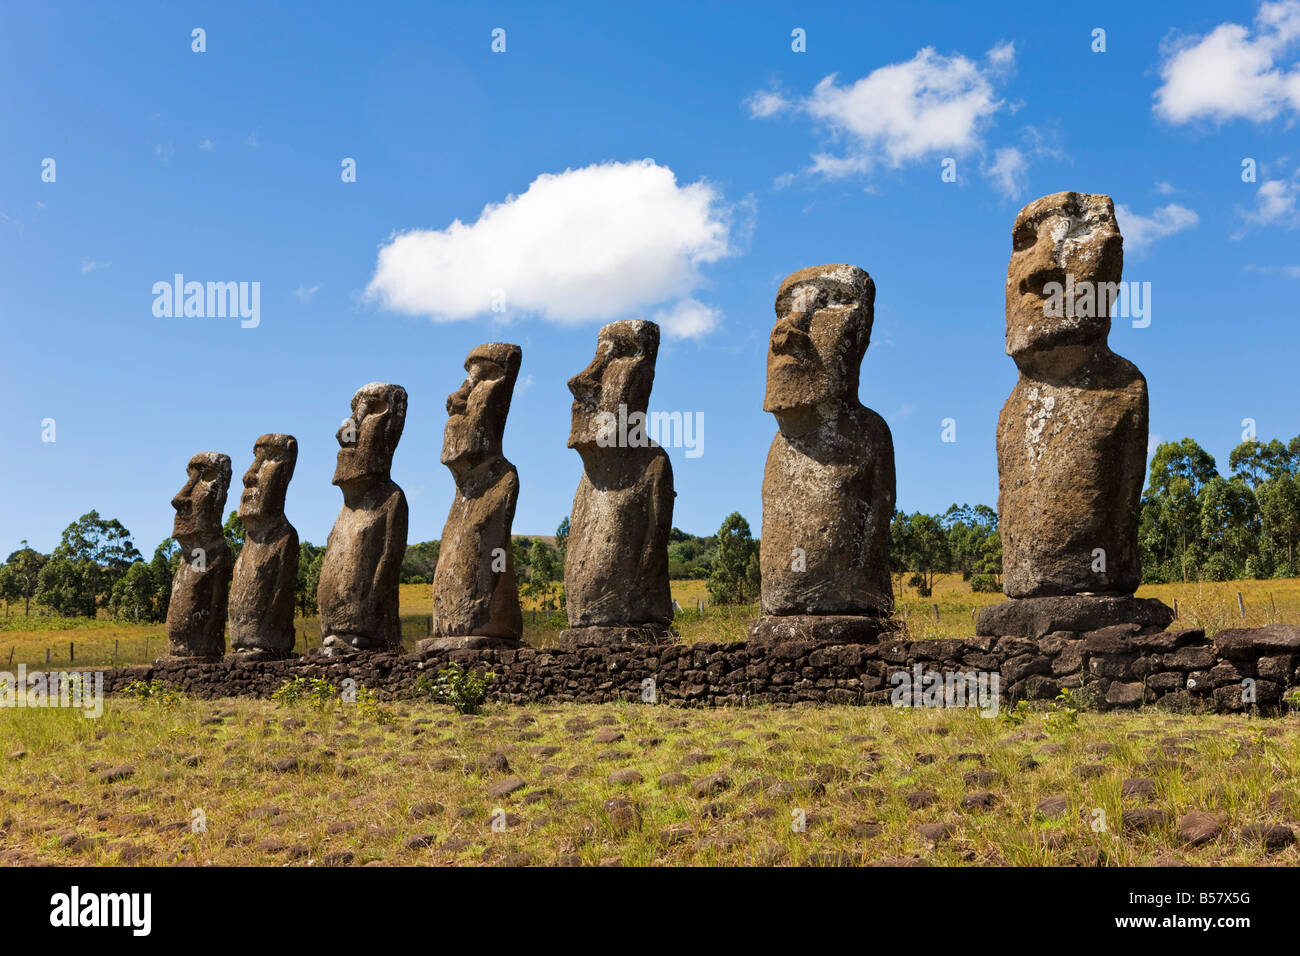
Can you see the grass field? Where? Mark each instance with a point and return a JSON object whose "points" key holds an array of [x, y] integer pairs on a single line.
{"points": [[1212, 606], [639, 785]]}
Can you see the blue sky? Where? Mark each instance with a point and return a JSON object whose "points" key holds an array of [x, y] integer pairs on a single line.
{"points": [[225, 165]]}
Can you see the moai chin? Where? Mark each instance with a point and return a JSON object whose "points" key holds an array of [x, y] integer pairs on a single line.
{"points": [[266, 571], [616, 567], [828, 487], [196, 616], [475, 598], [363, 555], [1072, 437]]}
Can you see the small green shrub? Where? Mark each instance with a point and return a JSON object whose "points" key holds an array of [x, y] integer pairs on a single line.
{"points": [[315, 692], [464, 690], [152, 690], [1064, 715]]}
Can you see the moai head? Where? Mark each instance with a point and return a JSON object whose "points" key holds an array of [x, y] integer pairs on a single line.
{"points": [[824, 318], [267, 480], [1064, 235], [622, 373], [199, 505], [368, 439], [476, 412]]}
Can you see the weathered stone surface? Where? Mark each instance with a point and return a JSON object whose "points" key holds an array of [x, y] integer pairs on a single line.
{"points": [[1031, 618], [1072, 437], [616, 568], [819, 628], [1239, 643], [599, 636], [196, 616], [266, 572], [474, 590], [363, 556], [828, 487]]}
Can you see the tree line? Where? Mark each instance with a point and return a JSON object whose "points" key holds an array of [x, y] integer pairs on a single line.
{"points": [[1197, 524]]}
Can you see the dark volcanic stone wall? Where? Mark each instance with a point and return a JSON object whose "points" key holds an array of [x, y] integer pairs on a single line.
{"points": [[1116, 666]]}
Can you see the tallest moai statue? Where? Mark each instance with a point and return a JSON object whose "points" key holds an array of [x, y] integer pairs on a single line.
{"points": [[1072, 437]]}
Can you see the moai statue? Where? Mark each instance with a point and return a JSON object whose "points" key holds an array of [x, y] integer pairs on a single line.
{"points": [[828, 488], [266, 572], [196, 616], [1072, 437], [363, 556], [616, 567], [475, 600]]}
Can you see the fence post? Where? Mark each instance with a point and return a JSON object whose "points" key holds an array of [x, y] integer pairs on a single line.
{"points": [[1175, 609], [72, 652], [1241, 604], [936, 612], [47, 657]]}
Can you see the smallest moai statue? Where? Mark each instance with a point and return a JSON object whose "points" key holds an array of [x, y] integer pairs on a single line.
{"points": [[196, 617], [266, 572]]}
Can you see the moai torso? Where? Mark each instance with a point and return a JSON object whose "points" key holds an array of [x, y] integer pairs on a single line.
{"points": [[826, 514], [196, 616], [1072, 457], [616, 565], [262, 595], [474, 589], [358, 593]]}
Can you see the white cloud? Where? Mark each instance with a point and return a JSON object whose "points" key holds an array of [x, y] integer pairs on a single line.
{"points": [[930, 105], [688, 319], [763, 104], [1140, 231], [1166, 189], [599, 242], [1289, 272], [207, 145], [305, 293], [1009, 171], [1234, 72], [525, 383], [1275, 205], [90, 265]]}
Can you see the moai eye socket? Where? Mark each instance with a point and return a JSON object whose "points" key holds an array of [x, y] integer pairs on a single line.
{"points": [[1025, 236]]}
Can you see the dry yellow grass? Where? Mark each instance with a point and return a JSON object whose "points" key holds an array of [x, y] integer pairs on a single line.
{"points": [[1211, 605], [277, 785]]}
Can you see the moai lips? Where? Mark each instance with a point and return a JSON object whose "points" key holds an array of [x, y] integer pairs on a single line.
{"points": [[475, 597], [828, 488], [196, 616], [616, 568], [363, 556], [266, 572]]}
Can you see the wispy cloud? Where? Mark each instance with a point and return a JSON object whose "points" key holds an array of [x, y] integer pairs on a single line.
{"points": [[1288, 272], [1275, 205], [91, 265], [207, 145], [305, 293], [899, 114], [1141, 231]]}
